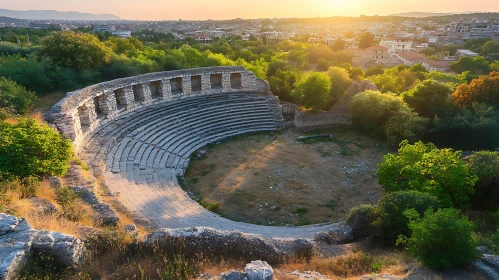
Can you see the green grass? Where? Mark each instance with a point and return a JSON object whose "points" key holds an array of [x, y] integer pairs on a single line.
{"points": [[45, 102], [301, 210], [332, 204]]}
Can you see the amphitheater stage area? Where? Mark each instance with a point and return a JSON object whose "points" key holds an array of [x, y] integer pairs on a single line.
{"points": [[138, 133]]}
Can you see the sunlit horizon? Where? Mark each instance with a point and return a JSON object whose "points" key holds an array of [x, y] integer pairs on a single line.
{"points": [[228, 9]]}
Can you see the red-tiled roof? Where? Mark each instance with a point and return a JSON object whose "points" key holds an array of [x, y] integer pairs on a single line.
{"points": [[378, 48], [412, 55]]}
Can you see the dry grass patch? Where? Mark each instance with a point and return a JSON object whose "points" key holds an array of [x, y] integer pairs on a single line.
{"points": [[255, 179]]}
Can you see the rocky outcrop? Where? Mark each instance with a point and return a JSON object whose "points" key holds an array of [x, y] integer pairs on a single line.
{"points": [[231, 243], [258, 270], [337, 236], [16, 237], [357, 87], [66, 249], [19, 242], [488, 264], [42, 206], [105, 215]]}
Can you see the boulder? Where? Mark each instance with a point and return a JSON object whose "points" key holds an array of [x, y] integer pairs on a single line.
{"points": [[66, 249], [354, 88], [258, 270], [231, 243], [289, 108], [130, 228], [16, 237], [337, 236], [19, 242], [367, 85], [233, 275]]}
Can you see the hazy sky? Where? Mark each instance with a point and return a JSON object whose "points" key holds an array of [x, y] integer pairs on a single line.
{"points": [[227, 9]]}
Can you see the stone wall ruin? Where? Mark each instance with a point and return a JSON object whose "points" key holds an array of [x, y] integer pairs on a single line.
{"points": [[82, 111]]}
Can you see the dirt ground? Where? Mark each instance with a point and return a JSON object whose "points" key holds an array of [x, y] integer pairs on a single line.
{"points": [[261, 180]]}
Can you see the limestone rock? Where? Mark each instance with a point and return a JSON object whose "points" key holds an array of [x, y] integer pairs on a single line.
{"points": [[66, 249], [15, 244], [232, 243], [307, 275], [105, 215], [130, 228], [289, 108], [382, 277], [258, 270], [18, 242], [55, 182], [337, 236], [354, 88], [42, 205], [233, 275]]}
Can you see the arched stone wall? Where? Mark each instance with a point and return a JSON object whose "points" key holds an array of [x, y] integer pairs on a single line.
{"points": [[82, 111]]}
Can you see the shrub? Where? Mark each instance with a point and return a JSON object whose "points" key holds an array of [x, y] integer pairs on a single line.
{"points": [[386, 116], [15, 97], [425, 168], [392, 222], [472, 129], [482, 90], [312, 90], [485, 165], [429, 98], [29, 149], [441, 239], [71, 206], [360, 219]]}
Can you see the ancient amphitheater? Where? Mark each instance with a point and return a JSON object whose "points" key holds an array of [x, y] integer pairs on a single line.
{"points": [[139, 132]]}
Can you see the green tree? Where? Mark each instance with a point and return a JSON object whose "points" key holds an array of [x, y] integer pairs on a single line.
{"points": [[340, 81], [429, 98], [338, 45], [312, 90], [425, 168], [471, 129], [485, 165], [392, 222], [477, 65], [385, 116], [15, 97], [366, 40], [442, 239], [29, 149], [78, 51], [282, 84]]}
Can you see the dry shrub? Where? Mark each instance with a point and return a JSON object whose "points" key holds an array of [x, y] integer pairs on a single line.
{"points": [[353, 264]]}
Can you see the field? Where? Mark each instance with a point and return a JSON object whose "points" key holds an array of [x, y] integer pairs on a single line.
{"points": [[280, 180]]}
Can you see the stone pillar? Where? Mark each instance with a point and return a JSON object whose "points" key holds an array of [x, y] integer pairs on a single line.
{"points": [[205, 83], [107, 103], [146, 92], [128, 98], [186, 85], [87, 114], [226, 87], [166, 89]]}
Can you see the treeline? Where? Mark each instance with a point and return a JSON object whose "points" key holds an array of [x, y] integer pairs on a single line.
{"points": [[64, 61]]}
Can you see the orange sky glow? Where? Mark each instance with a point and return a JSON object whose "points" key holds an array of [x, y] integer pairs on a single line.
{"points": [[228, 9]]}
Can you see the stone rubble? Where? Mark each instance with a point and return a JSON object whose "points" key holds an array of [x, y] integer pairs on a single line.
{"points": [[18, 242], [259, 270]]}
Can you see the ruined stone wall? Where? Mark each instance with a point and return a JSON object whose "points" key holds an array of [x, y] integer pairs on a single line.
{"points": [[82, 111], [339, 115]]}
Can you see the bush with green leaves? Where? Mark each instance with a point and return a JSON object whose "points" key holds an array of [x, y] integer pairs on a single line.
{"points": [[385, 116], [485, 165], [425, 168], [392, 222], [441, 239], [473, 128], [15, 97], [361, 219], [429, 98], [31, 149], [312, 90]]}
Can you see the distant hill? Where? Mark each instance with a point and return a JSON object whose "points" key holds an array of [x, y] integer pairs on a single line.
{"points": [[50, 14], [9, 20], [425, 14]]}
